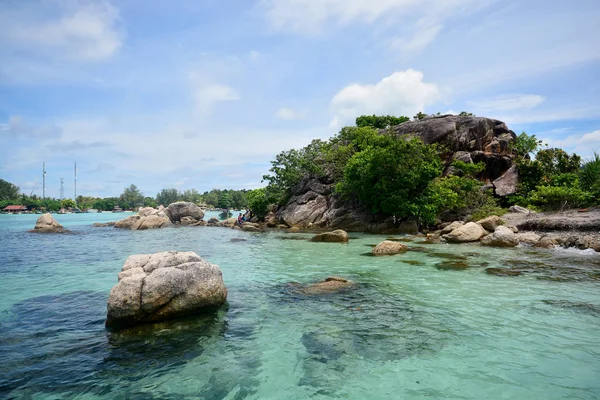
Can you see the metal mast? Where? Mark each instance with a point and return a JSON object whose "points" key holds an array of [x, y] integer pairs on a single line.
{"points": [[44, 180], [62, 188], [75, 185]]}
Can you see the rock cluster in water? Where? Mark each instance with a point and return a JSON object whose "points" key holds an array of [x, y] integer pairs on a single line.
{"points": [[160, 286], [183, 213]]}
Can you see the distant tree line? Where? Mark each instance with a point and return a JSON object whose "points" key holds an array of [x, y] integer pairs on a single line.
{"points": [[131, 198]]}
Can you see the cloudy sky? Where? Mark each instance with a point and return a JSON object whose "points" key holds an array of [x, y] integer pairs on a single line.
{"points": [[203, 93]]}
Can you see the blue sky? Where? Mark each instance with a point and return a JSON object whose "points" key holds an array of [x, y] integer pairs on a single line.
{"points": [[203, 93]]}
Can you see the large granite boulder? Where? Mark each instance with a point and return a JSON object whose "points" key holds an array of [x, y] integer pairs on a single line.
{"points": [[388, 247], [47, 224], [502, 237], [507, 183], [337, 236], [469, 232], [176, 211], [160, 286]]}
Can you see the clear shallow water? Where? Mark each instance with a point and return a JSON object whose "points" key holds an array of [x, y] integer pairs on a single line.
{"points": [[410, 330]]}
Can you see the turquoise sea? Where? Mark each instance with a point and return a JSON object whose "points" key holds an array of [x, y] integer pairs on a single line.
{"points": [[413, 329]]}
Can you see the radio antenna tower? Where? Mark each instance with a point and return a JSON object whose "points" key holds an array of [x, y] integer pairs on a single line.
{"points": [[62, 189], [44, 182], [75, 185]]}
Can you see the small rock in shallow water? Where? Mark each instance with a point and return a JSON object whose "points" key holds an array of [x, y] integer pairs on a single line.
{"points": [[502, 272], [337, 236], [452, 265], [387, 247]]}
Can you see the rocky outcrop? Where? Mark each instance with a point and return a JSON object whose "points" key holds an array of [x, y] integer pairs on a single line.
{"points": [[388, 247], [469, 139], [136, 222], [501, 237], [160, 286], [337, 236], [475, 139], [469, 232], [313, 205], [176, 211], [47, 224]]}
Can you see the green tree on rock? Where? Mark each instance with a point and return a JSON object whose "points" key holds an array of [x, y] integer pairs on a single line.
{"points": [[392, 178]]}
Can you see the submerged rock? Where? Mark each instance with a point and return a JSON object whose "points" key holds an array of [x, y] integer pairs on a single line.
{"points": [[502, 272], [332, 284], [388, 247], [452, 265], [160, 286], [103, 225], [47, 224], [337, 236]]}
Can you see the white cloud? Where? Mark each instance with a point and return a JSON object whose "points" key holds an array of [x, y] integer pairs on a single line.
{"points": [[288, 113], [81, 30], [424, 33], [402, 93], [584, 145], [508, 103], [207, 96], [395, 16]]}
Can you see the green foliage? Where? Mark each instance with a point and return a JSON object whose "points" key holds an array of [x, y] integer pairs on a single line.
{"points": [[525, 144], [190, 195], [420, 115], [149, 202], [258, 202], [559, 197], [8, 191], [167, 196], [468, 169], [551, 168], [289, 167], [131, 198], [224, 200], [392, 176], [68, 203], [379, 121], [466, 114], [589, 178]]}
